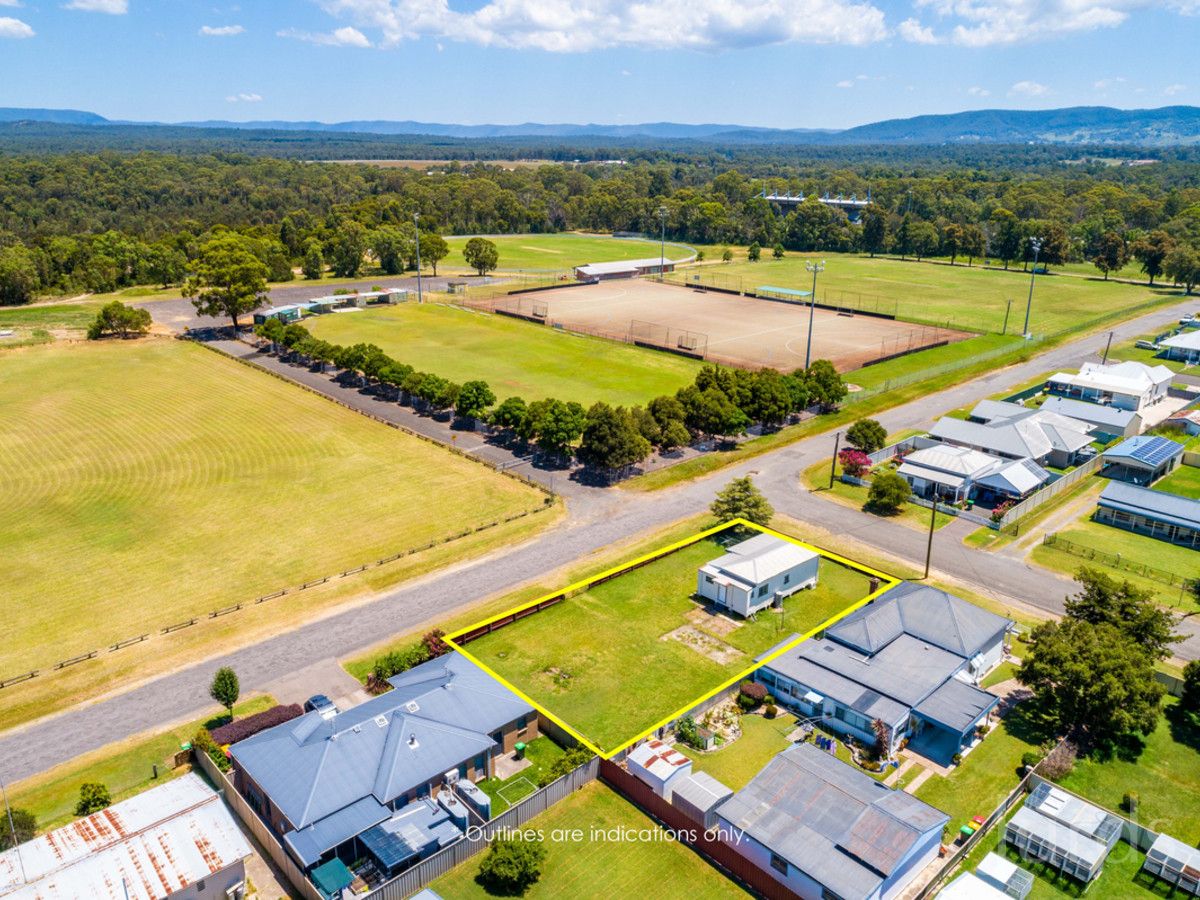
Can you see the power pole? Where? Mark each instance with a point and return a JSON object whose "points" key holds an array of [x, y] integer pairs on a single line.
{"points": [[929, 545], [837, 440], [1107, 347], [417, 232]]}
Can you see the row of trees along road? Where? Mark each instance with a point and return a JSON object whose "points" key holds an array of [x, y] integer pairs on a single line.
{"points": [[720, 403]]}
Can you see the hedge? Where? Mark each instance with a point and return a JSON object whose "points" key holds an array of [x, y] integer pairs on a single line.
{"points": [[240, 729]]}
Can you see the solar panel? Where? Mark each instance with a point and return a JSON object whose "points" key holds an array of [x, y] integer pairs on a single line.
{"points": [[1156, 450]]}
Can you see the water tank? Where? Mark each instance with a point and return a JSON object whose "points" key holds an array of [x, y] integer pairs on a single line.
{"points": [[475, 798], [451, 804]]}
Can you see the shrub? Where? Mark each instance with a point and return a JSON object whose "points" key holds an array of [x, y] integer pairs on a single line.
{"points": [[395, 662], [770, 710], [24, 824], [687, 732], [956, 758], [1030, 758], [93, 797], [1060, 761], [754, 690], [746, 703], [252, 725], [203, 743], [1129, 803], [1000, 510], [1190, 699], [512, 865], [889, 492], [565, 764], [855, 463], [434, 643]]}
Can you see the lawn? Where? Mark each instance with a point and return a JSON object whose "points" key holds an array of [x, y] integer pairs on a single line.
{"points": [[153, 481], [514, 357], [600, 863], [604, 662], [541, 753], [126, 768], [735, 763], [987, 774], [816, 478], [1165, 776], [1185, 481], [44, 323], [561, 252], [972, 299], [1138, 549]]}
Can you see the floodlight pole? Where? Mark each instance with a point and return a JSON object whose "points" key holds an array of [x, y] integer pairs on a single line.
{"points": [[662, 243], [417, 232], [1036, 244], [812, 303]]}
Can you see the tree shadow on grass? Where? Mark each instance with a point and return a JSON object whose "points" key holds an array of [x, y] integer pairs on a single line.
{"points": [[218, 721], [1185, 726]]}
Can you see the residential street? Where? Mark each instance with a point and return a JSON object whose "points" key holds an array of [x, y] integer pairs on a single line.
{"points": [[597, 518]]}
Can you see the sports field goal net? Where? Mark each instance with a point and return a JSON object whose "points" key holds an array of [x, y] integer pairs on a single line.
{"points": [[656, 334]]}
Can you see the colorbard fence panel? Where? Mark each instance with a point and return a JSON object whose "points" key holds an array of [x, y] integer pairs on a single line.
{"points": [[1050, 491]]}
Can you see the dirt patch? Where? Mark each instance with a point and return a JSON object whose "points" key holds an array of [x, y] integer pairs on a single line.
{"points": [[715, 623], [704, 644]]}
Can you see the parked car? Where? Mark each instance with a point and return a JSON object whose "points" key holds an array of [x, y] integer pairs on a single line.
{"points": [[319, 703]]}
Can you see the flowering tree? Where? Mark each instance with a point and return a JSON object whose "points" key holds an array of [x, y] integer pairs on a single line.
{"points": [[855, 463]]}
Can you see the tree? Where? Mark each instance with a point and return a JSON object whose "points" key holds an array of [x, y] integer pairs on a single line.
{"points": [[825, 385], [874, 230], [973, 242], [1130, 609], [1110, 254], [224, 688], [93, 797], [952, 241], [391, 247], [474, 399], [855, 463], [710, 411], [1182, 265], [512, 864], [883, 738], [1092, 681], [1007, 235], [674, 434], [611, 439], [647, 426], [867, 435], [559, 425], [314, 262], [777, 251], [754, 252], [24, 823], [229, 280], [481, 255], [433, 249], [740, 499], [888, 493], [922, 239], [1151, 252], [117, 318], [726, 255], [510, 414], [770, 400], [165, 265], [19, 280], [1189, 701]]}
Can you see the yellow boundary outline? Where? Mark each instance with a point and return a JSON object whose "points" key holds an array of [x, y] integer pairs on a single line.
{"points": [[887, 582]]}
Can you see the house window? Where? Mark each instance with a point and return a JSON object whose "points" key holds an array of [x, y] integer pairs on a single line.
{"points": [[787, 579], [481, 763], [827, 894], [708, 579], [521, 723], [779, 864], [762, 590]]}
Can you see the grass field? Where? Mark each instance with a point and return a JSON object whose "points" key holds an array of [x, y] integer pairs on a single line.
{"points": [[602, 660], [601, 863], [155, 481], [816, 479], [1165, 776], [514, 357], [561, 252], [1185, 481], [42, 324], [971, 298]]}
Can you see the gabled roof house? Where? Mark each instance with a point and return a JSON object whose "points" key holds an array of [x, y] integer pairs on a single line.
{"points": [[1046, 438], [322, 783], [959, 473], [756, 572], [824, 829], [1125, 385], [912, 658]]}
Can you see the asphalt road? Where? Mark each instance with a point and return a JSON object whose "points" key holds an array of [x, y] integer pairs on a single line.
{"points": [[597, 519]]}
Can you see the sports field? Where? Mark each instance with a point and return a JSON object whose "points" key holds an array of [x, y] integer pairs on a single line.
{"points": [[628, 652], [723, 327], [561, 252], [514, 357], [972, 298], [146, 483]]}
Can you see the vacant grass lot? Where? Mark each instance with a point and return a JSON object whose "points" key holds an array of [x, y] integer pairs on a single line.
{"points": [[971, 298], [1165, 776], [514, 357], [642, 865], [603, 663], [561, 252], [150, 482]]}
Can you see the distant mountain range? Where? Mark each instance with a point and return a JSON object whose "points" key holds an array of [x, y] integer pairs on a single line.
{"points": [[1166, 126]]}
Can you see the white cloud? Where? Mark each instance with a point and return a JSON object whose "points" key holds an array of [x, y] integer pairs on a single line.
{"points": [[576, 26], [1028, 89], [244, 98], [111, 7], [982, 23], [1172, 89], [13, 3], [976, 91], [916, 33], [845, 85], [14, 28], [221, 30], [1105, 83], [340, 37]]}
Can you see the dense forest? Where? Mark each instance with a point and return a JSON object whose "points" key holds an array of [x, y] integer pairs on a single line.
{"points": [[101, 221]]}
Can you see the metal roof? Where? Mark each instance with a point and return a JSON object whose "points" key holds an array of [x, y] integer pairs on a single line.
{"points": [[310, 843], [659, 759], [622, 265], [957, 705], [844, 690], [1092, 413], [1062, 838], [143, 848], [969, 886], [1175, 853], [1129, 378], [953, 459], [759, 559], [1189, 340], [702, 791], [1076, 814], [438, 715], [1033, 434], [839, 826], [907, 669], [1020, 476], [1146, 449], [1151, 504]]}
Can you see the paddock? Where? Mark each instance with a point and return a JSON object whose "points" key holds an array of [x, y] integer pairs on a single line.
{"points": [[722, 327]]}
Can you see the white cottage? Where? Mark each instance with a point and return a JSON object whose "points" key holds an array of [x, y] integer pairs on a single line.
{"points": [[756, 572]]}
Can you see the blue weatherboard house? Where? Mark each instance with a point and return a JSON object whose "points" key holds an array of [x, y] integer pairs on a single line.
{"points": [[912, 659]]}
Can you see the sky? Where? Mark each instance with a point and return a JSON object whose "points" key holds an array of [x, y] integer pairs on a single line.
{"points": [[776, 63]]}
